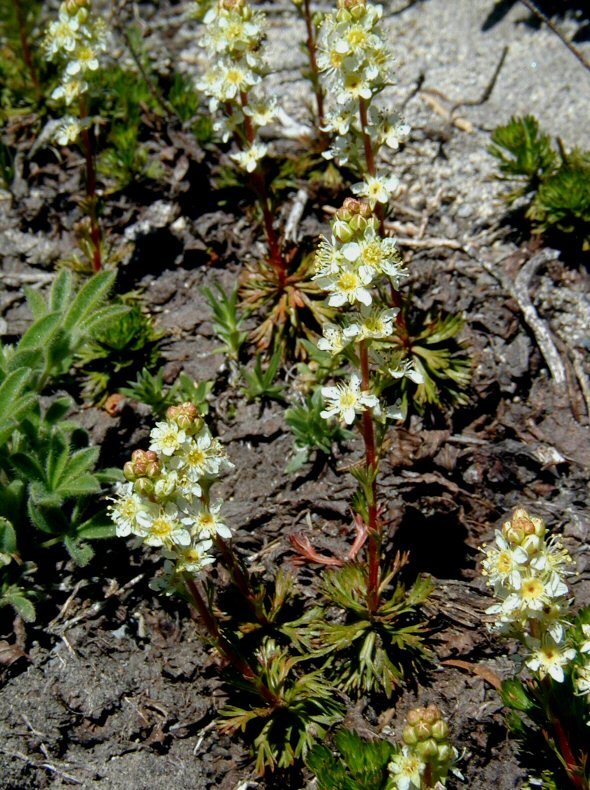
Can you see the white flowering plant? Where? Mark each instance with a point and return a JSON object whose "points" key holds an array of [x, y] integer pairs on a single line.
{"points": [[76, 41], [527, 569], [422, 760], [356, 64], [280, 287], [166, 503]]}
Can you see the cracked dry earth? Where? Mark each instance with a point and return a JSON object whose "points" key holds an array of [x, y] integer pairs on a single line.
{"points": [[117, 689]]}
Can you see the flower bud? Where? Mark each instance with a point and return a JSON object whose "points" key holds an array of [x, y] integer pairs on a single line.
{"points": [[428, 748], [143, 487], [415, 716], [422, 730], [358, 224], [409, 735], [342, 231], [446, 753], [431, 714], [440, 730], [129, 471]]}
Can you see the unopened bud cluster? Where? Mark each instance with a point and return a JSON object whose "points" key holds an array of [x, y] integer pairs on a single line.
{"points": [[357, 65], [527, 571], [165, 500], [349, 266], [427, 755], [233, 38], [76, 40]]}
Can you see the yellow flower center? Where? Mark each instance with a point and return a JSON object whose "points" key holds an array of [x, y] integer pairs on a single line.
{"points": [[196, 457], [162, 527], [372, 254], [234, 76], [374, 325], [356, 37], [532, 589], [504, 562], [348, 400], [348, 281]]}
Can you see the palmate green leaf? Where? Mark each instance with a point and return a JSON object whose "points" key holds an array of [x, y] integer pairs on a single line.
{"points": [[28, 466], [12, 387], [57, 410], [56, 460], [8, 545], [80, 486], [48, 521]]}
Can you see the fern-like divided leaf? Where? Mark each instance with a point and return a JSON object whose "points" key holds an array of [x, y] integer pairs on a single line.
{"points": [[372, 651], [286, 732], [524, 154]]}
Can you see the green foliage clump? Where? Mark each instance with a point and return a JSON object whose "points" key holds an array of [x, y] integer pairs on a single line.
{"points": [[372, 650], [259, 383], [359, 764], [150, 389], [227, 322], [556, 184], [48, 479], [117, 352], [311, 432]]}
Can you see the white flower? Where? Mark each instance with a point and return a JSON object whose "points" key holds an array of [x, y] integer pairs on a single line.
{"points": [[84, 59], [407, 368], [248, 160], [125, 510], [167, 438], [375, 323], [585, 646], [207, 523], [377, 189], [163, 526], [347, 400], [348, 285], [195, 558], [549, 658], [68, 130], [505, 564], [261, 112], [334, 339], [407, 769], [582, 679], [69, 90]]}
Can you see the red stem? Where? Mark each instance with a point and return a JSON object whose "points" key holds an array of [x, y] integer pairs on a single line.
{"points": [[95, 233], [277, 260], [374, 537], [24, 41], [313, 63], [224, 646], [240, 578]]}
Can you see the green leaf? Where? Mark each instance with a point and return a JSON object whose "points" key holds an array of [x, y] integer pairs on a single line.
{"points": [[88, 299], [11, 388], [84, 485], [16, 598], [80, 462], [61, 291], [81, 553], [28, 466], [58, 410], [40, 333], [514, 695], [36, 302]]}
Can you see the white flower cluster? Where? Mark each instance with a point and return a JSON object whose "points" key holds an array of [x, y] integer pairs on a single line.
{"points": [[348, 266], [582, 678], [233, 38], [527, 571], [357, 65], [166, 499], [76, 39]]}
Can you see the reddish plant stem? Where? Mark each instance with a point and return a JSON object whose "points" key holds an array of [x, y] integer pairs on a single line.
{"points": [[370, 158], [313, 63], [241, 579], [277, 260], [224, 646], [373, 535], [24, 41], [95, 234], [561, 736]]}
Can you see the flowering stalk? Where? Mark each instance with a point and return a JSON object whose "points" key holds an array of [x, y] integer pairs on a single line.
{"points": [[24, 40], [234, 34], [527, 570], [304, 9], [350, 267], [76, 40], [166, 502]]}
